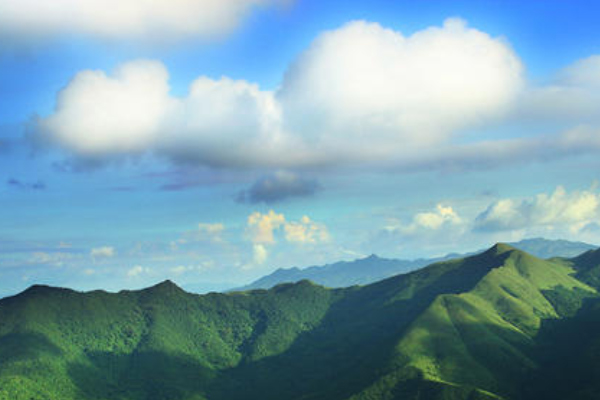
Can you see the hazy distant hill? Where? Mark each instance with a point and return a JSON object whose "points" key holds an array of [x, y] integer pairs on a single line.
{"points": [[372, 269], [544, 248], [341, 274], [502, 324]]}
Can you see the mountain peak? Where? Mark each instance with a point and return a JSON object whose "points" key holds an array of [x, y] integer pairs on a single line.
{"points": [[43, 289], [500, 248], [167, 286]]}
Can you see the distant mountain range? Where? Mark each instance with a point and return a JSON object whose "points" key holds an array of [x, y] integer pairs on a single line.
{"points": [[372, 269], [501, 324]]}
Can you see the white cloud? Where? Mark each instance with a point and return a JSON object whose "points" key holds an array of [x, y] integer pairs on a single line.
{"points": [[260, 254], [180, 269], [206, 235], [211, 232], [435, 220], [183, 269], [559, 209], [147, 20], [98, 116], [306, 231], [103, 252], [436, 231], [364, 90], [214, 231], [137, 271], [57, 259], [359, 93], [262, 226], [425, 223], [264, 230]]}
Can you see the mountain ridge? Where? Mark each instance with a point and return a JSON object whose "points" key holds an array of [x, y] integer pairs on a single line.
{"points": [[373, 268], [462, 329]]}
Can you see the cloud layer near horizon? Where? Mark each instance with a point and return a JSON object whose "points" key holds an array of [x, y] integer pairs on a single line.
{"points": [[145, 20], [360, 93]]}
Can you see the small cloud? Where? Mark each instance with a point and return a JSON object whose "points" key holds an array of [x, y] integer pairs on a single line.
{"points": [[431, 221], [17, 184], [262, 229], [213, 230], [278, 187], [206, 232], [184, 269], [306, 231], [103, 252], [261, 226], [424, 229], [180, 269], [137, 271], [260, 254], [56, 259]]}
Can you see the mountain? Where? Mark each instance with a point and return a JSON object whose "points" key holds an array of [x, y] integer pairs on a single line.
{"points": [[372, 269], [544, 248], [502, 324], [341, 274]]}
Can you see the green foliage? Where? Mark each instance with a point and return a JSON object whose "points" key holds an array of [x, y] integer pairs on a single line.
{"points": [[491, 326]]}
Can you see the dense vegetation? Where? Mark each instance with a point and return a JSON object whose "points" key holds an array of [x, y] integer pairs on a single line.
{"points": [[502, 324]]}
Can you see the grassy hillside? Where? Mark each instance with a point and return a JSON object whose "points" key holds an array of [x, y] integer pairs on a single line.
{"points": [[488, 326]]}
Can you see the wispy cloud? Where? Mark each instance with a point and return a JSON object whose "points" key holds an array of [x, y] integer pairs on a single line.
{"points": [[18, 184], [98, 253], [141, 20], [137, 270]]}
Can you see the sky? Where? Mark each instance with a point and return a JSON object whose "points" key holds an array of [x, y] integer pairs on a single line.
{"points": [[211, 142]]}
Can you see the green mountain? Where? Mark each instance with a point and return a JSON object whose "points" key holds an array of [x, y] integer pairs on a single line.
{"points": [[501, 324], [372, 269]]}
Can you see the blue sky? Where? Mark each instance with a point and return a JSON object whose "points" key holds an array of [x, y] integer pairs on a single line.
{"points": [[213, 142]]}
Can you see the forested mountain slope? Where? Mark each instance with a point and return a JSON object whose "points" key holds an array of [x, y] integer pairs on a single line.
{"points": [[500, 324]]}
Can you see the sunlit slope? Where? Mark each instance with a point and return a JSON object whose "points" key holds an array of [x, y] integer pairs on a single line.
{"points": [[485, 337], [481, 327]]}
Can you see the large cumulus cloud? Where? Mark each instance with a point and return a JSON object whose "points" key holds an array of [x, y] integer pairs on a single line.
{"points": [[370, 91], [360, 93]]}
